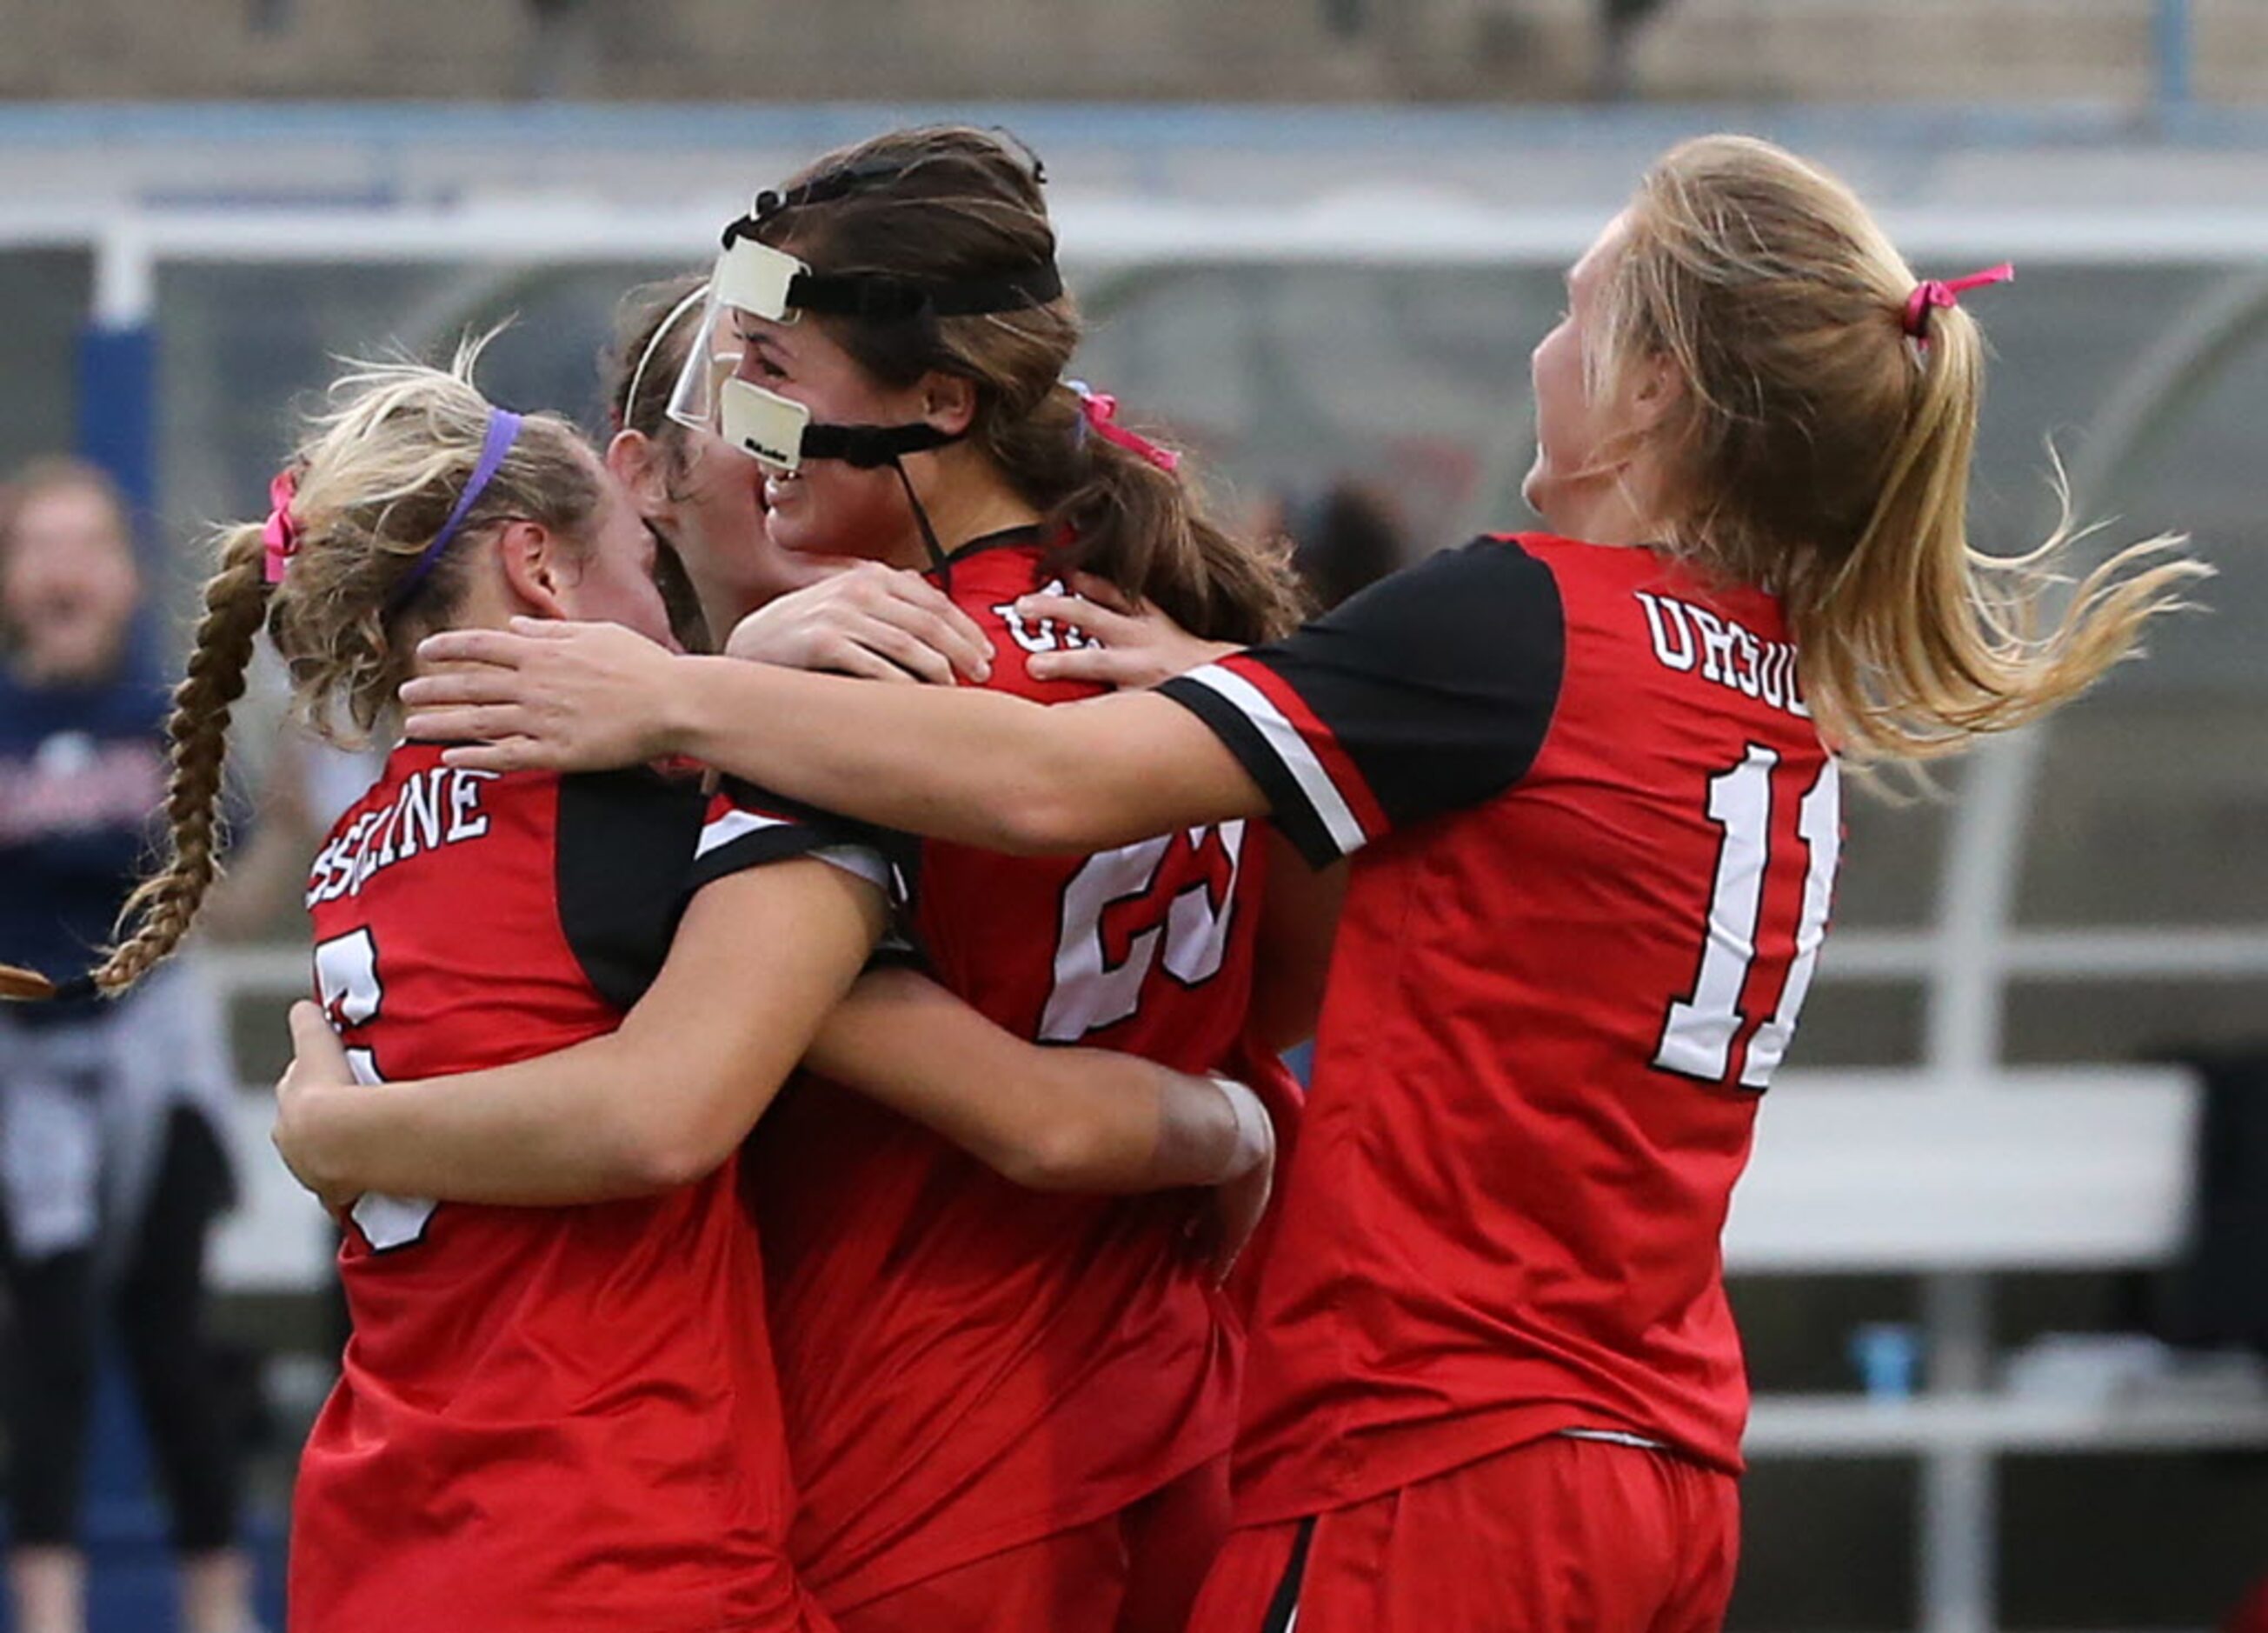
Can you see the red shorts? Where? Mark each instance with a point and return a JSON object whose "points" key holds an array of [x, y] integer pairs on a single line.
{"points": [[1134, 1572], [1557, 1536]]}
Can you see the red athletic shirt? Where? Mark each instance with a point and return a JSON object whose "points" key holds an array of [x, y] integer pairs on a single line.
{"points": [[968, 1365], [547, 1418], [1597, 835]]}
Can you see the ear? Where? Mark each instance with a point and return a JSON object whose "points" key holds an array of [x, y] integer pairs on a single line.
{"points": [[642, 465], [1656, 389], [948, 401], [538, 567]]}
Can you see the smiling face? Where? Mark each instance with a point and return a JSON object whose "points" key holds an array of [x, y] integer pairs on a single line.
{"points": [[68, 583], [830, 508], [706, 499]]}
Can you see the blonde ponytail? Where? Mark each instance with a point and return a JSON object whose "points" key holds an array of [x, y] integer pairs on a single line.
{"points": [[1920, 642], [1821, 447]]}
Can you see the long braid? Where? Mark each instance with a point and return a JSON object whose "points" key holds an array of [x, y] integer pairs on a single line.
{"points": [[375, 480], [162, 909]]}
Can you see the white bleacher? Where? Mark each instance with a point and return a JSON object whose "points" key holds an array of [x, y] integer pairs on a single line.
{"points": [[2013, 1170]]}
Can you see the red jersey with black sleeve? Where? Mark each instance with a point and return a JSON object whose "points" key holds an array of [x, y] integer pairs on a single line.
{"points": [[967, 1365], [546, 1418], [1595, 835]]}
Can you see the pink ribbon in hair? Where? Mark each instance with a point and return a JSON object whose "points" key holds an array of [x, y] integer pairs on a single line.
{"points": [[1947, 292], [1102, 411], [280, 537]]}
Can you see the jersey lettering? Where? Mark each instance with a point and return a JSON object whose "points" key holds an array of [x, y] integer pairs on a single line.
{"points": [[347, 979], [1119, 923], [1687, 638], [435, 807], [1047, 635], [1819, 824]]}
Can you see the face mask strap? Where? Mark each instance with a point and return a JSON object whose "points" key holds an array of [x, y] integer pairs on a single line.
{"points": [[869, 447], [939, 563], [780, 435]]}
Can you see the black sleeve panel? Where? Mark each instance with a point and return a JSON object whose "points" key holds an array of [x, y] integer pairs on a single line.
{"points": [[1429, 692], [621, 844], [746, 826]]}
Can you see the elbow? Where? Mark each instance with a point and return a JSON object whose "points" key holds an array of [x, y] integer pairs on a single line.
{"points": [[1045, 798], [652, 1160], [1064, 1155], [1048, 816]]}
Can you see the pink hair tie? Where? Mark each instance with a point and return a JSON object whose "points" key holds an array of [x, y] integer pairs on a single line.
{"points": [[280, 534], [1102, 411], [1947, 292]]}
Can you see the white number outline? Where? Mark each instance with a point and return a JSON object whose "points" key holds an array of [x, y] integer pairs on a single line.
{"points": [[348, 983], [1088, 992], [1699, 1029]]}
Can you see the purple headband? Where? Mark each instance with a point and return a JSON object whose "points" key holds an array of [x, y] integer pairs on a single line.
{"points": [[504, 427]]}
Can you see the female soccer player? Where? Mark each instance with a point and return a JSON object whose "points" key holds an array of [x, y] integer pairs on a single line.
{"points": [[1007, 1409], [849, 614], [549, 1416], [1592, 780]]}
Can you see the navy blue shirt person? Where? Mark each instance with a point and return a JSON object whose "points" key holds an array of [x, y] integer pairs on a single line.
{"points": [[111, 1172], [82, 768]]}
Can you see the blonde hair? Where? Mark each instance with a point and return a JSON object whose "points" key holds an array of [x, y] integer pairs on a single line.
{"points": [[377, 473], [1818, 450]]}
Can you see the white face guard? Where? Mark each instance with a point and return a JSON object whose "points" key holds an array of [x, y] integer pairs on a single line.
{"points": [[754, 279]]}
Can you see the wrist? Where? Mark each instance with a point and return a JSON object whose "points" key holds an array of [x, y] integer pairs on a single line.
{"points": [[685, 719], [1254, 1130], [305, 1133]]}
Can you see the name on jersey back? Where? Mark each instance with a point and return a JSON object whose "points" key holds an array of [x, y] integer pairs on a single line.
{"points": [[436, 807], [1687, 638]]}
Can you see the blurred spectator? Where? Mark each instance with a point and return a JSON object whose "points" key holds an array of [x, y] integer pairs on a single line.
{"points": [[112, 1168], [563, 57], [1618, 25], [1342, 541]]}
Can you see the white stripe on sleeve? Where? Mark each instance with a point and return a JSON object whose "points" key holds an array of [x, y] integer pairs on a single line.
{"points": [[723, 830], [1285, 743], [860, 862]]}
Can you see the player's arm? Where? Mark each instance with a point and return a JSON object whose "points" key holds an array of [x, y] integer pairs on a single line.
{"points": [[667, 1097], [1431, 691], [1053, 1120], [758, 958], [984, 768]]}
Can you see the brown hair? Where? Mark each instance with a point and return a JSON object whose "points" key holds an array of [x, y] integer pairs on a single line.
{"points": [[947, 202], [51, 473], [378, 474], [654, 325], [1818, 450]]}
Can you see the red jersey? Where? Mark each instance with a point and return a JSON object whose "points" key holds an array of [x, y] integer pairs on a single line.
{"points": [[546, 1418], [1597, 835], [968, 1365]]}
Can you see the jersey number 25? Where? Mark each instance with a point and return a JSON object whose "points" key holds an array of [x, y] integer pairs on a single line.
{"points": [[1118, 926]]}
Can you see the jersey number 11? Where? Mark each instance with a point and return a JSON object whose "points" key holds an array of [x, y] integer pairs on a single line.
{"points": [[1698, 1031]]}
